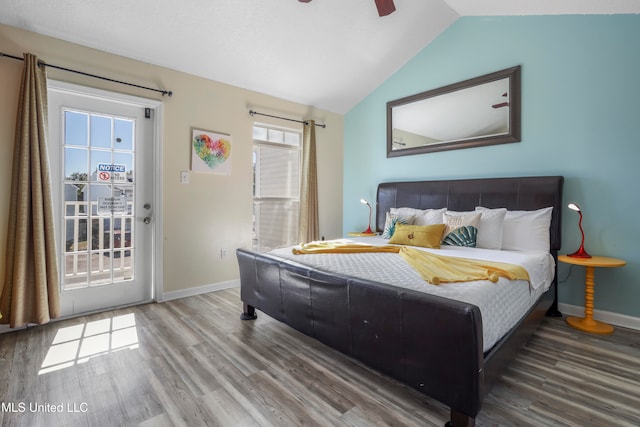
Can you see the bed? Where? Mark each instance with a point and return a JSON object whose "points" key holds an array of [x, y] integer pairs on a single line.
{"points": [[383, 325]]}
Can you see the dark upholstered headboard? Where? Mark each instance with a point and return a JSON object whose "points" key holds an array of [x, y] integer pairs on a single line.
{"points": [[523, 193]]}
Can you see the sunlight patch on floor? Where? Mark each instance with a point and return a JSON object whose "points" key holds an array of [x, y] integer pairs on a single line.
{"points": [[79, 343]]}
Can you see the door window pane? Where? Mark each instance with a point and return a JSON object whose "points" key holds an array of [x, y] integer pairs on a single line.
{"points": [[96, 191], [74, 204], [75, 164], [100, 269], [76, 128], [128, 229], [125, 159], [123, 134], [75, 231], [101, 234], [98, 157], [75, 271], [100, 131], [122, 266]]}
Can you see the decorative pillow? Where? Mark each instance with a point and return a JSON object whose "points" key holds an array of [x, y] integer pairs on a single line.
{"points": [[527, 230], [428, 236], [421, 216], [391, 221], [490, 228], [430, 217], [405, 211], [461, 230]]}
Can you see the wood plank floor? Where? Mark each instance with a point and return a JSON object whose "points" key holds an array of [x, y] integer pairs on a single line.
{"points": [[192, 362]]}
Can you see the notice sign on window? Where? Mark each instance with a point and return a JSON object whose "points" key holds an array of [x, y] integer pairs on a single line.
{"points": [[112, 173], [112, 205]]}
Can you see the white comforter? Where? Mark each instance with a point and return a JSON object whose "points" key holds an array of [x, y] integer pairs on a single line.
{"points": [[501, 304]]}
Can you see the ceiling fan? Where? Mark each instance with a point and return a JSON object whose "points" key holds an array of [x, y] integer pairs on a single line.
{"points": [[385, 7]]}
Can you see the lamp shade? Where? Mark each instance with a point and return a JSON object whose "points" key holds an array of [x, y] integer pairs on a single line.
{"points": [[581, 252]]}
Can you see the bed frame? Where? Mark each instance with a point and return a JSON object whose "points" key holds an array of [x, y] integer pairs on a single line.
{"points": [[384, 326]]}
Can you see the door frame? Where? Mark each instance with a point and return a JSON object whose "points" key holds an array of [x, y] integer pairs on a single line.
{"points": [[157, 108]]}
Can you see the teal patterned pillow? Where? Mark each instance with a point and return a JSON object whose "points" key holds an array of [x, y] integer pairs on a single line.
{"points": [[467, 235], [462, 230], [391, 221]]}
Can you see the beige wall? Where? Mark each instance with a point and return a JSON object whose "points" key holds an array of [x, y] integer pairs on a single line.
{"points": [[212, 211]]}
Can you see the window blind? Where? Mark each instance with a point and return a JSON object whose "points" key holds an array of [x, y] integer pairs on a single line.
{"points": [[277, 157]]}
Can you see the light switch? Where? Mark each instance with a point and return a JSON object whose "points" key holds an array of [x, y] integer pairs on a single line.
{"points": [[184, 177]]}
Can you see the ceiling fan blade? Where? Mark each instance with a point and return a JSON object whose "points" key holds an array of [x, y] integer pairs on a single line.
{"points": [[500, 105], [385, 7]]}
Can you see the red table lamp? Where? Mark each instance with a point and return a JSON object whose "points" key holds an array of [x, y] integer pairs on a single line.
{"points": [[368, 230], [580, 253]]}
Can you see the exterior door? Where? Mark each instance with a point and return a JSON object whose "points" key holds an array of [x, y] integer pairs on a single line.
{"points": [[102, 169]]}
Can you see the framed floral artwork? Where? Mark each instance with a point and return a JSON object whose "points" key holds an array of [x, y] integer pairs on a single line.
{"points": [[210, 152]]}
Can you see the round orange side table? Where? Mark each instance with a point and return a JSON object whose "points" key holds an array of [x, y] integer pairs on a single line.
{"points": [[588, 323]]}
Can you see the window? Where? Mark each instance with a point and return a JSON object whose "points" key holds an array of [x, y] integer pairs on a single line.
{"points": [[276, 186]]}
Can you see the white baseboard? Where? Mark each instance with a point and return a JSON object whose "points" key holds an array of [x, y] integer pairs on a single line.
{"points": [[604, 316], [166, 296], [183, 293]]}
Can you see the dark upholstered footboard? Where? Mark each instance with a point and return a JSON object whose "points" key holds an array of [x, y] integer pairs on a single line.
{"points": [[431, 343]]}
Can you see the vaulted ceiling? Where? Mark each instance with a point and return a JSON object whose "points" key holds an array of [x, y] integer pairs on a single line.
{"points": [[325, 53]]}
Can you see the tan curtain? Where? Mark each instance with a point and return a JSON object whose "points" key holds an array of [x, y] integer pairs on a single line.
{"points": [[30, 290], [308, 226]]}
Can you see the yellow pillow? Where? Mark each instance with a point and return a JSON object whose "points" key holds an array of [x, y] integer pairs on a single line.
{"points": [[427, 236]]}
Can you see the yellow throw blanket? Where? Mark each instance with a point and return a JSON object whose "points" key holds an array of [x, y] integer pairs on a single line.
{"points": [[437, 269], [339, 247], [433, 268]]}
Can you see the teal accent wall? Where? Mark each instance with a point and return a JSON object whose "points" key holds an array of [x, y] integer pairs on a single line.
{"points": [[580, 119]]}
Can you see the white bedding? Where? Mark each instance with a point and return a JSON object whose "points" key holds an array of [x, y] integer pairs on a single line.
{"points": [[501, 304]]}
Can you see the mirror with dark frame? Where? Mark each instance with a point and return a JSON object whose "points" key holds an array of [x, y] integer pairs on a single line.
{"points": [[480, 111]]}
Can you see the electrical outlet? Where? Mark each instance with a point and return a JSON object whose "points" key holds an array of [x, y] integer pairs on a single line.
{"points": [[223, 253], [184, 177]]}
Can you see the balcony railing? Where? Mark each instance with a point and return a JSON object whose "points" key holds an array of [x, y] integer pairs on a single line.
{"points": [[98, 249]]}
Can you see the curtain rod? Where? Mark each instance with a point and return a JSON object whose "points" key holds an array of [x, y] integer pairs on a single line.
{"points": [[253, 113], [40, 62]]}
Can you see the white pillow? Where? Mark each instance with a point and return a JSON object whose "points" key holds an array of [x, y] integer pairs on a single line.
{"points": [[526, 230], [490, 228], [421, 216]]}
